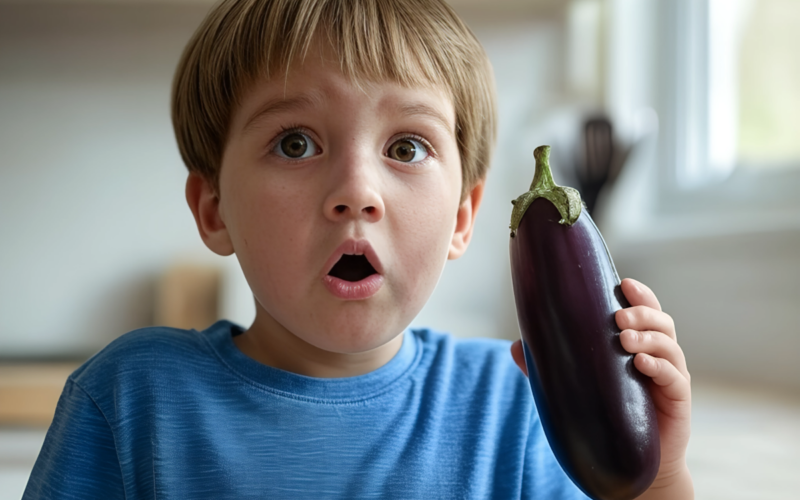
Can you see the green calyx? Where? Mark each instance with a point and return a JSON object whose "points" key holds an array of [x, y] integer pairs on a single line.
{"points": [[566, 199]]}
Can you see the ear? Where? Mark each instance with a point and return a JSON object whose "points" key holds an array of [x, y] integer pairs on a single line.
{"points": [[465, 221], [204, 203]]}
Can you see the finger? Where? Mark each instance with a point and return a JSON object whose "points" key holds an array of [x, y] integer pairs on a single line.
{"points": [[673, 384], [643, 318], [638, 294], [655, 344], [519, 356]]}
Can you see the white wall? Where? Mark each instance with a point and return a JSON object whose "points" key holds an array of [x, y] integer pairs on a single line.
{"points": [[91, 183]]}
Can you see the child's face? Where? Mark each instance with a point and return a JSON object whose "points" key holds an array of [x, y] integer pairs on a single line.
{"points": [[314, 167]]}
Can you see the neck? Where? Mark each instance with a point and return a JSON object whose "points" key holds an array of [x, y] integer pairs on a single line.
{"points": [[270, 343]]}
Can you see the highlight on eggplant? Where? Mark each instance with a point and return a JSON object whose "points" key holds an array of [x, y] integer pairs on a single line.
{"points": [[593, 403]]}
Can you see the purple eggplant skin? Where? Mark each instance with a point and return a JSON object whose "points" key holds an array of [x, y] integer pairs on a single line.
{"points": [[593, 403]]}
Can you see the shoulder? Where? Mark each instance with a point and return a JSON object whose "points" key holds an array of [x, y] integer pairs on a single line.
{"points": [[474, 365], [142, 355], [144, 346], [472, 353]]}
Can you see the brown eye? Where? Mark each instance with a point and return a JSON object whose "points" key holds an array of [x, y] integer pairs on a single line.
{"points": [[407, 150], [296, 145]]}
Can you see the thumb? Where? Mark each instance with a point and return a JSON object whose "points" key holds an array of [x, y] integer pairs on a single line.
{"points": [[519, 356]]}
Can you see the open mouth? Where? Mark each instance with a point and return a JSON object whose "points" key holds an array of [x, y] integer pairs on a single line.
{"points": [[356, 273], [352, 268]]}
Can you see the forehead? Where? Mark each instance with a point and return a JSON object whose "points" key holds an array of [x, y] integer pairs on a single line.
{"points": [[317, 82]]}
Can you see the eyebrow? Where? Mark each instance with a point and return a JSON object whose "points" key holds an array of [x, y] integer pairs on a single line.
{"points": [[424, 109], [280, 105]]}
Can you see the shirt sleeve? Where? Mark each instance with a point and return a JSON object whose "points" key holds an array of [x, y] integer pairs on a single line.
{"points": [[78, 459]]}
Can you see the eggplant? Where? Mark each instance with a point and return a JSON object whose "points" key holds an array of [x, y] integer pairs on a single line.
{"points": [[594, 405]]}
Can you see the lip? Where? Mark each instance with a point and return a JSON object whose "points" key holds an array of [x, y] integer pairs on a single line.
{"points": [[354, 290]]}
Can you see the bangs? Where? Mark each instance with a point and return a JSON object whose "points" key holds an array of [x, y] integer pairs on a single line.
{"points": [[381, 40]]}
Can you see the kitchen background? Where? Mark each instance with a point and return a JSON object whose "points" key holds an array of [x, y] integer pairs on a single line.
{"points": [[696, 198]]}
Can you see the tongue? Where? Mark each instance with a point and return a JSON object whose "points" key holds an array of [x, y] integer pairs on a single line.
{"points": [[352, 268]]}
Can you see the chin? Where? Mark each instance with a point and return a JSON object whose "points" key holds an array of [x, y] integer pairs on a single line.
{"points": [[350, 338]]}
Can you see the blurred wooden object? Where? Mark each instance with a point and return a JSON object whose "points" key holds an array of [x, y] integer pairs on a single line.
{"points": [[29, 392], [188, 296]]}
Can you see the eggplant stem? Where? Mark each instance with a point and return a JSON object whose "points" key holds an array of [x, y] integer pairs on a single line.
{"points": [[542, 176], [566, 199]]}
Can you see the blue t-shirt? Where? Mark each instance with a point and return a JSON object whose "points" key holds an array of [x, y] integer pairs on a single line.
{"points": [[176, 414]]}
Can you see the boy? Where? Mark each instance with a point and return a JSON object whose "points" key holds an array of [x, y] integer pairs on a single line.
{"points": [[339, 149]]}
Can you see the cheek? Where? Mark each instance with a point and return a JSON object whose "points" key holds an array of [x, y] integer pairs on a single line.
{"points": [[429, 213], [271, 234], [427, 226]]}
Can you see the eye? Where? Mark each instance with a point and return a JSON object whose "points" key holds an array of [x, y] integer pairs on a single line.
{"points": [[296, 145], [408, 150]]}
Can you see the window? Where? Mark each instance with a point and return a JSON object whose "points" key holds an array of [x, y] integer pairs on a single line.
{"points": [[768, 83], [723, 79], [737, 92]]}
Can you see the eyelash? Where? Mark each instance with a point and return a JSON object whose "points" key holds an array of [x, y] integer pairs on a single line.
{"points": [[286, 130], [292, 129], [431, 152]]}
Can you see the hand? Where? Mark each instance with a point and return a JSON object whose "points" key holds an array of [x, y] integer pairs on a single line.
{"points": [[649, 333]]}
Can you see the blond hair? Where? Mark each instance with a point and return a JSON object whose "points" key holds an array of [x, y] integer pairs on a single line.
{"points": [[410, 42]]}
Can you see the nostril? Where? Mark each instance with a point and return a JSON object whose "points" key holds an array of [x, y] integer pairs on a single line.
{"points": [[370, 210], [340, 208]]}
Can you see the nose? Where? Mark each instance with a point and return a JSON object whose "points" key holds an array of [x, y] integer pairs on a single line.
{"points": [[355, 194]]}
